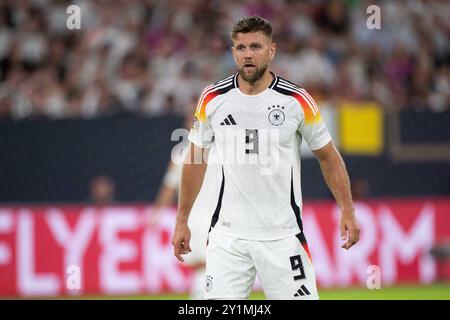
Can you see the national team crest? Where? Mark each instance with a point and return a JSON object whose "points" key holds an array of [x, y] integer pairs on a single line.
{"points": [[276, 115]]}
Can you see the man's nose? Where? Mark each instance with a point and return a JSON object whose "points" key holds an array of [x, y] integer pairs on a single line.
{"points": [[248, 54]]}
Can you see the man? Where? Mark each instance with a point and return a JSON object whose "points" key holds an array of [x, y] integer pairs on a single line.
{"points": [[257, 227]]}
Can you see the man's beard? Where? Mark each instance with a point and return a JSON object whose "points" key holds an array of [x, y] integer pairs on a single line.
{"points": [[255, 76]]}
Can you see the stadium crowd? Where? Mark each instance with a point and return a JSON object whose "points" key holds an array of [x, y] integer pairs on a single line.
{"points": [[154, 57]]}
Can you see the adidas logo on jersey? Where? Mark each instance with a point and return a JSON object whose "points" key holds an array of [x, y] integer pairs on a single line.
{"points": [[228, 121], [302, 292]]}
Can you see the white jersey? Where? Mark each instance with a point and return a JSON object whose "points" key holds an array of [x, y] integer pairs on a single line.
{"points": [[257, 140]]}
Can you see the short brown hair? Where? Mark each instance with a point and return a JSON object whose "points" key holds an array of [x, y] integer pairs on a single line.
{"points": [[252, 24]]}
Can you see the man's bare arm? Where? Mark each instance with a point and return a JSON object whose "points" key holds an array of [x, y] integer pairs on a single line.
{"points": [[194, 169], [336, 177]]}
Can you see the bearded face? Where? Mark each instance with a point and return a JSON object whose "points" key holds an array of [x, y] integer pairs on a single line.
{"points": [[253, 53], [251, 73]]}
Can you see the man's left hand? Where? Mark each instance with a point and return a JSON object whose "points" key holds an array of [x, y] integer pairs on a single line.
{"points": [[349, 228]]}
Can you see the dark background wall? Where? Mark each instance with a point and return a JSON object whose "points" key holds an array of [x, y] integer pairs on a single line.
{"points": [[54, 161]]}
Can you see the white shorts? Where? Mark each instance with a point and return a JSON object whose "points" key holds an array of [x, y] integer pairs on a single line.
{"points": [[283, 267]]}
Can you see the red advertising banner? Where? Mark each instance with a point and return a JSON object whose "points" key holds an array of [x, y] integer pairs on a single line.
{"points": [[63, 250]]}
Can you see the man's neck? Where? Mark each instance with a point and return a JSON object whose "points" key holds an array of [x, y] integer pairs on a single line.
{"points": [[253, 88]]}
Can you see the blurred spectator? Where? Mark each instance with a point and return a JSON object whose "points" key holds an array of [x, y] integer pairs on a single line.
{"points": [[441, 252], [153, 57], [360, 189], [102, 190]]}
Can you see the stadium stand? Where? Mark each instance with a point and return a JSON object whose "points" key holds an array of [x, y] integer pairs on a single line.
{"points": [[104, 99]]}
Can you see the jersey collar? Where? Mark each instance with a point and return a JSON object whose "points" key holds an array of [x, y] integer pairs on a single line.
{"points": [[272, 84]]}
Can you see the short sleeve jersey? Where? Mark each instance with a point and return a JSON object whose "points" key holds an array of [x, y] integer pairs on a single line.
{"points": [[257, 140]]}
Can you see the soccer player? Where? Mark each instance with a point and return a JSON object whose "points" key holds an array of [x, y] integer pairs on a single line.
{"points": [[257, 120]]}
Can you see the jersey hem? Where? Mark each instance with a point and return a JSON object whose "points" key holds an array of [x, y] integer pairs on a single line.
{"points": [[244, 237], [321, 145], [199, 144]]}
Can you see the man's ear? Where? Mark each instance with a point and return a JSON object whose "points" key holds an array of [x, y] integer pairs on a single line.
{"points": [[273, 49], [232, 48]]}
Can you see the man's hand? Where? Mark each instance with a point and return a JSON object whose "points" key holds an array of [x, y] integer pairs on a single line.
{"points": [[194, 169], [349, 229], [180, 241], [336, 177]]}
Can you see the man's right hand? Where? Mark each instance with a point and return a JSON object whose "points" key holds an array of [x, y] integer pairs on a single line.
{"points": [[180, 241]]}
